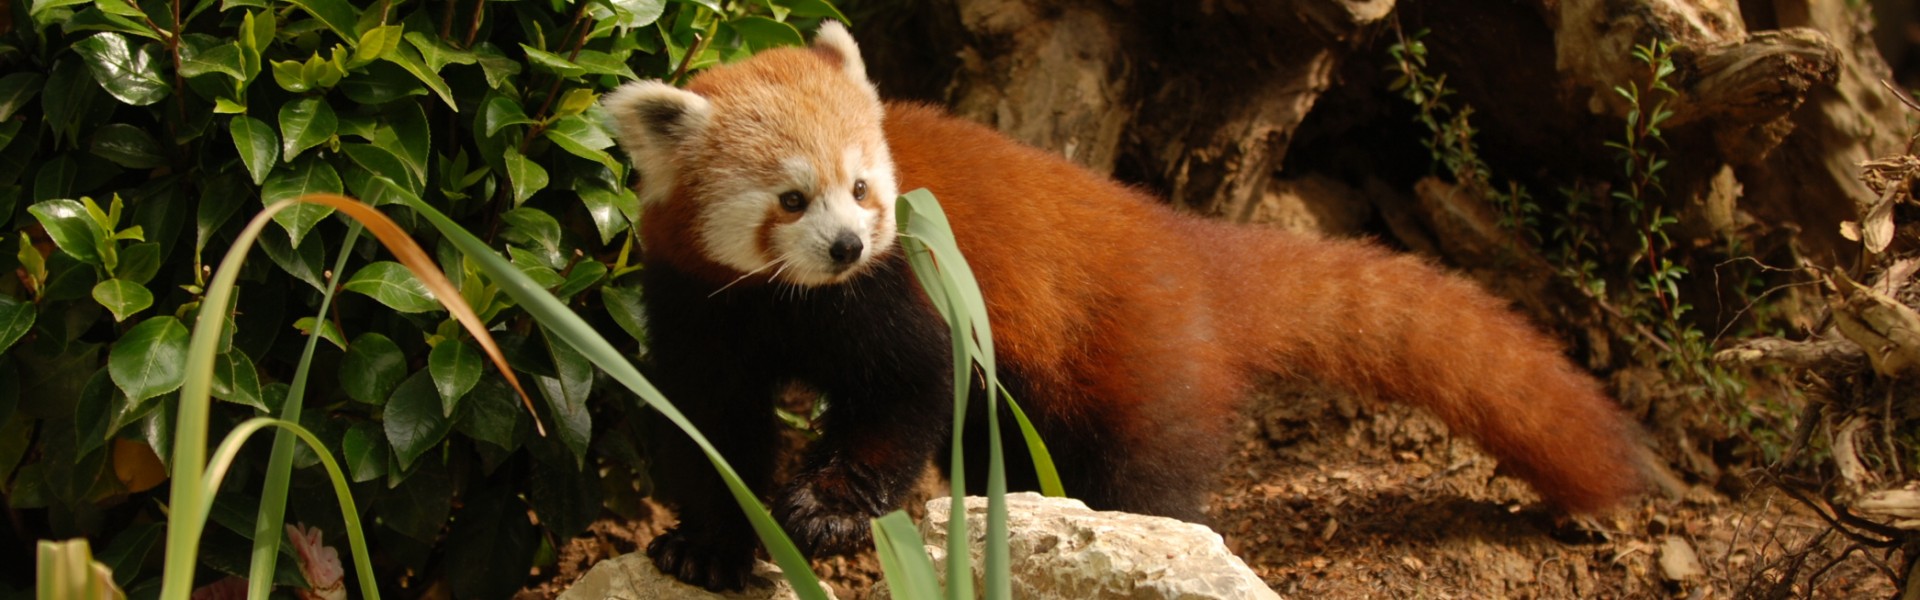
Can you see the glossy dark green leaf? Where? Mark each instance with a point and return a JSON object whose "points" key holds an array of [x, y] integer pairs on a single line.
{"points": [[16, 318], [408, 137], [813, 8], [417, 504], [623, 304], [130, 73], [139, 262], [375, 160], [130, 550], [492, 413], [500, 112], [93, 413], [121, 297], [533, 265], [581, 135], [150, 359], [306, 263], [495, 64], [762, 33], [408, 58], [305, 123], [307, 176], [380, 83], [236, 380], [609, 207], [583, 275], [553, 63], [414, 423], [328, 331], [258, 145], [375, 44], [438, 54], [639, 13], [365, 445], [525, 175], [337, 15], [566, 396], [393, 285], [372, 368], [538, 232], [219, 199], [57, 178], [76, 233], [565, 497], [71, 99], [127, 146], [455, 367], [224, 59], [17, 90]]}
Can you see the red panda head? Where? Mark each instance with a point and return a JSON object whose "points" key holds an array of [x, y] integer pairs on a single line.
{"points": [[773, 166]]}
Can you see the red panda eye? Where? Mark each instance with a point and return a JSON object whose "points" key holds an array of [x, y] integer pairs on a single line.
{"points": [[860, 190], [793, 201]]}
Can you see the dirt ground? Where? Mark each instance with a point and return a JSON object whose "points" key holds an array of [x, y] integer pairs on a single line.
{"points": [[1335, 497]]}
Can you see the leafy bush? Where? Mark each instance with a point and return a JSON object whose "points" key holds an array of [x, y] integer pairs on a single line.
{"points": [[121, 119]]}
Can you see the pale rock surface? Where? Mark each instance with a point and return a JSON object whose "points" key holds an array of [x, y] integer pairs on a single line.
{"points": [[1059, 548], [632, 576]]}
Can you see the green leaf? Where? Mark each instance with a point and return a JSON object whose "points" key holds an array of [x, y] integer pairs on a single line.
{"points": [[300, 178], [537, 231], [122, 297], [139, 262], [639, 13], [553, 63], [128, 146], [235, 380], [150, 359], [328, 331], [495, 64], [291, 76], [493, 540], [365, 445], [595, 62], [525, 175], [76, 233], [16, 317], [372, 368], [583, 137], [609, 207], [624, 305], [813, 8], [337, 15], [438, 54], [414, 423], [380, 83], [393, 285], [305, 123], [304, 263], [131, 74], [377, 163], [18, 89], [408, 137], [492, 414], [376, 44], [455, 367], [408, 58], [257, 143], [583, 275], [219, 199], [566, 395], [762, 33], [71, 98], [501, 111], [534, 266], [224, 59]]}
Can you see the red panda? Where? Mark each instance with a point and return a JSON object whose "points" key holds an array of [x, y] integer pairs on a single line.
{"points": [[1130, 332]]}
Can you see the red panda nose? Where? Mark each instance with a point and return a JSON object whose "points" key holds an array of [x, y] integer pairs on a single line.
{"points": [[846, 248]]}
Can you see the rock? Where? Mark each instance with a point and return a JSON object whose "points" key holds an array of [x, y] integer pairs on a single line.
{"points": [[1059, 548], [632, 576], [1678, 561]]}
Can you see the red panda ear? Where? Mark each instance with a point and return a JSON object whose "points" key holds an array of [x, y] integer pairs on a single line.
{"points": [[652, 119], [835, 44]]}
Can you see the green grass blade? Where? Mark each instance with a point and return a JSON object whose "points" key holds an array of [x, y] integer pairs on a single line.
{"points": [[569, 327], [1042, 459], [67, 571], [903, 558], [921, 257], [349, 513], [273, 493]]}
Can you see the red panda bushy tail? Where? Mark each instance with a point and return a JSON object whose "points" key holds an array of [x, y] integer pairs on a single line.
{"points": [[1355, 315]]}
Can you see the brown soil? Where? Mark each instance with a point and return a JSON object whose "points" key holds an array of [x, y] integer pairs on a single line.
{"points": [[1335, 497]]}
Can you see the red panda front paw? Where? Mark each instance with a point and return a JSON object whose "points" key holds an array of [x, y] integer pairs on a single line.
{"points": [[822, 527], [700, 563]]}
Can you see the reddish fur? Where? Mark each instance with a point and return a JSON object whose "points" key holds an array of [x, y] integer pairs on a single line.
{"points": [[1112, 304]]}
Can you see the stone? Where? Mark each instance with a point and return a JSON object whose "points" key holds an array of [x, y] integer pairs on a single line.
{"points": [[1059, 548], [632, 576]]}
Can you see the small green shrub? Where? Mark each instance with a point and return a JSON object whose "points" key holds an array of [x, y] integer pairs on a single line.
{"points": [[133, 132]]}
